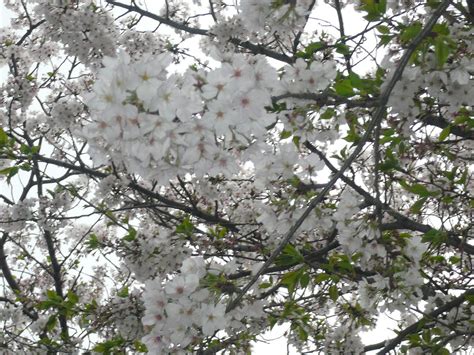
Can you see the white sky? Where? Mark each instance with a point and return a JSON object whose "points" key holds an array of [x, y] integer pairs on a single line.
{"points": [[4, 15]]}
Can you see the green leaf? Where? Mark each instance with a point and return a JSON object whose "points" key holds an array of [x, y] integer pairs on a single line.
{"points": [[311, 49], [93, 242], [328, 114], [437, 259], [277, 107], [222, 232], [132, 234], [390, 162], [108, 346], [10, 172], [52, 295], [296, 141], [53, 300], [444, 133], [3, 138], [140, 347], [72, 297], [450, 174], [291, 279], [418, 205], [385, 39], [25, 149], [344, 88], [67, 306], [375, 9], [29, 150], [441, 28], [352, 135], [343, 49], [383, 29], [341, 261], [265, 285], [333, 293], [389, 135], [462, 180], [356, 80], [470, 298], [289, 256], [442, 51], [454, 259], [123, 293], [186, 227], [418, 189], [25, 167], [410, 32], [304, 280], [285, 134], [298, 326], [434, 236], [51, 323], [321, 278], [462, 117]]}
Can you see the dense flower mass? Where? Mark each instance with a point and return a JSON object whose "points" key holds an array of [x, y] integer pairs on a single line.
{"points": [[201, 122], [163, 124], [182, 177], [181, 311]]}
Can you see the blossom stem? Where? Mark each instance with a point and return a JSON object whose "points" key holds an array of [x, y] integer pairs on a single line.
{"points": [[377, 117]]}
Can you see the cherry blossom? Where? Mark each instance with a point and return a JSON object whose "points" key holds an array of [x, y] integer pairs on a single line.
{"points": [[183, 177]]}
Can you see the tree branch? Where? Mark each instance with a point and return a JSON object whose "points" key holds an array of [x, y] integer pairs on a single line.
{"points": [[377, 117], [10, 279], [417, 326], [440, 122], [402, 222], [254, 48], [211, 218]]}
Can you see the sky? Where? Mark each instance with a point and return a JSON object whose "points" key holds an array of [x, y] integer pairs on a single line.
{"points": [[5, 15]]}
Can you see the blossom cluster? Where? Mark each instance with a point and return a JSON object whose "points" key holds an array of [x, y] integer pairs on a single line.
{"points": [[269, 15], [181, 311], [162, 125], [154, 251], [201, 171], [202, 122], [448, 85], [88, 31]]}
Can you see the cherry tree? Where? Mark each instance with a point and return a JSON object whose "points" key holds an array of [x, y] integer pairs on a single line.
{"points": [[183, 176]]}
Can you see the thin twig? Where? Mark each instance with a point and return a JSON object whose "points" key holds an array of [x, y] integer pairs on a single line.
{"points": [[377, 117]]}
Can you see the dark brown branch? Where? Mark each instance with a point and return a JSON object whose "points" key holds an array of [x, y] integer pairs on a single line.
{"points": [[377, 117], [347, 57], [29, 31], [389, 345], [328, 99], [4, 266], [10, 279], [297, 39], [442, 123], [58, 283], [254, 48], [402, 222], [211, 218], [56, 267], [308, 258], [161, 19]]}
